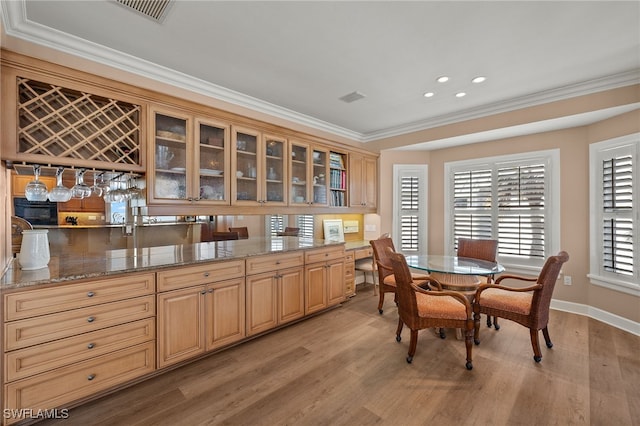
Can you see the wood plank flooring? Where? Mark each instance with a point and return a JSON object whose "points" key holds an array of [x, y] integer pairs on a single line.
{"points": [[344, 367]]}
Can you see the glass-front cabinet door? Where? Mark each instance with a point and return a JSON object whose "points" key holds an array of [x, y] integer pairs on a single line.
{"points": [[171, 152], [299, 156], [319, 173], [245, 148], [212, 158], [274, 167]]}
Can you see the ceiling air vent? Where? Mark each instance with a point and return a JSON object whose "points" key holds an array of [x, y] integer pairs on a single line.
{"points": [[154, 9], [352, 97]]}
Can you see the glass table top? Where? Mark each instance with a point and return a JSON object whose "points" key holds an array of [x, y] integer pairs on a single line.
{"points": [[453, 265]]}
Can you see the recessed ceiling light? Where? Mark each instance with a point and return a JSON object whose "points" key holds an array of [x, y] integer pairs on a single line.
{"points": [[428, 94], [442, 79], [460, 94], [478, 79]]}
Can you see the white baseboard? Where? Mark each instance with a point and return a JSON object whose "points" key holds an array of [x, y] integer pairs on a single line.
{"points": [[597, 314]]}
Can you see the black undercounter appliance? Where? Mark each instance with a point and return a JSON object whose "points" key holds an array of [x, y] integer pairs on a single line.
{"points": [[36, 212]]}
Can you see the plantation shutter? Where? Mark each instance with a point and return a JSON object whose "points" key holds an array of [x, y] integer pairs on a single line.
{"points": [[409, 213], [305, 223], [521, 210], [617, 205], [276, 224], [472, 214]]}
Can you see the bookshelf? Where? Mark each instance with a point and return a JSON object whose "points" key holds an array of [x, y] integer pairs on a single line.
{"points": [[337, 179]]}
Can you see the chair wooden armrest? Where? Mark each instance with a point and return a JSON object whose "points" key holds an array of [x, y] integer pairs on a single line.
{"points": [[483, 287], [515, 277]]}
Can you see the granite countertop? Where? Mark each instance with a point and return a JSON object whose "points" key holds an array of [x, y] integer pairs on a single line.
{"points": [[112, 262], [353, 245]]}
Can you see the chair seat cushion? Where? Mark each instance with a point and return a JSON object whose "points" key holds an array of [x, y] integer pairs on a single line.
{"points": [[418, 279], [505, 300], [364, 265], [445, 307]]}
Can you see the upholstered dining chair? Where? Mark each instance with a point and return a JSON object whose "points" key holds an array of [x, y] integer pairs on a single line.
{"points": [[386, 278], [289, 232], [224, 236], [528, 306], [483, 249], [243, 232], [420, 309]]}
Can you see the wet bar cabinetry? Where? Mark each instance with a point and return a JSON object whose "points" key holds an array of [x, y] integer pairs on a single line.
{"points": [[324, 278], [200, 308], [275, 290], [66, 343], [258, 168], [363, 187], [189, 160]]}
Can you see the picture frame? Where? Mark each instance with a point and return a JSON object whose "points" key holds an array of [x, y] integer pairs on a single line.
{"points": [[333, 230]]}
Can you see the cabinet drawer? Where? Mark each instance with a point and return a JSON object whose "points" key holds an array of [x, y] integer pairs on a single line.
{"points": [[32, 331], [173, 279], [260, 264], [349, 256], [44, 301], [64, 385], [48, 356], [363, 253], [323, 254]]}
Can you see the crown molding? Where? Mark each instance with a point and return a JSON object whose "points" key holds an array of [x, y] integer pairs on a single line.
{"points": [[17, 25]]}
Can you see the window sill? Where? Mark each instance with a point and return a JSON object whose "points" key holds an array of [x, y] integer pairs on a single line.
{"points": [[617, 285]]}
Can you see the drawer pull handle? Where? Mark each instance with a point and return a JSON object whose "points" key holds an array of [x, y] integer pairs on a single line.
{"points": [[91, 346], [91, 377], [91, 319], [206, 274], [91, 294], [277, 262], [210, 290], [203, 292]]}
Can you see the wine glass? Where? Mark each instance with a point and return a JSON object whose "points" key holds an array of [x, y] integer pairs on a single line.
{"points": [[36, 190], [60, 193], [100, 187], [80, 189]]}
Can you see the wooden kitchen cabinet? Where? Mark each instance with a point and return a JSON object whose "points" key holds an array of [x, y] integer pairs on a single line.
{"points": [[65, 343], [324, 278], [19, 182], [275, 293], [309, 171], [363, 181], [198, 318], [349, 274], [189, 159]]}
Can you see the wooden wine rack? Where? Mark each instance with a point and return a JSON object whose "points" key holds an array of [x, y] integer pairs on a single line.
{"points": [[66, 123]]}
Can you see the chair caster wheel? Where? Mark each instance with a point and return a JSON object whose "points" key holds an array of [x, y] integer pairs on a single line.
{"points": [[537, 358], [380, 311], [469, 365], [496, 326], [549, 345], [398, 338], [409, 359], [442, 335], [477, 342]]}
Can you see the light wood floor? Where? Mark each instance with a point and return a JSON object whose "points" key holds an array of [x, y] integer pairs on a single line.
{"points": [[344, 367]]}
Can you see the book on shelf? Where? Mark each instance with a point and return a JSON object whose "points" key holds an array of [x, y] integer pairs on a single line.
{"points": [[336, 161]]}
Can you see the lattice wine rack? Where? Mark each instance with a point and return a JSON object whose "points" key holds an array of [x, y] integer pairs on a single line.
{"points": [[65, 123]]}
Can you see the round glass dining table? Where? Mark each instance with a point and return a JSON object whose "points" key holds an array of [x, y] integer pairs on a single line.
{"points": [[455, 273]]}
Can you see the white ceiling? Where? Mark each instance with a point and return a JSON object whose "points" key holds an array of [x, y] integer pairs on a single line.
{"points": [[296, 59]]}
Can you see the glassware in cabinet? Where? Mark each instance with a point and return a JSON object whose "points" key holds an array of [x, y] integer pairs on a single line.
{"points": [[170, 157], [213, 165], [299, 173], [319, 172], [275, 170], [245, 160]]}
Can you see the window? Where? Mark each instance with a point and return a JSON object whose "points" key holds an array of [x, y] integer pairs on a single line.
{"points": [[274, 223], [513, 199], [614, 212], [305, 223], [410, 208]]}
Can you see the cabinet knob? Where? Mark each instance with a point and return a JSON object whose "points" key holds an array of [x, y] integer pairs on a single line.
{"points": [[277, 262], [91, 294], [203, 292], [91, 319], [210, 290], [91, 346], [91, 377], [206, 275]]}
